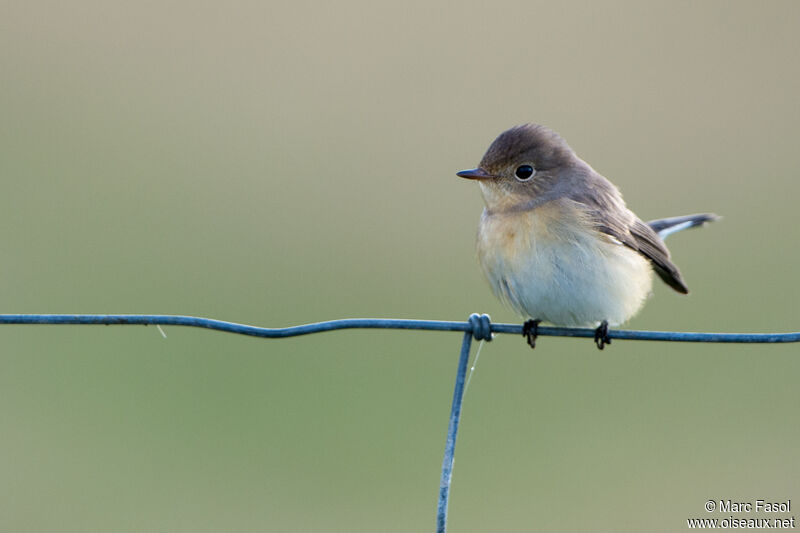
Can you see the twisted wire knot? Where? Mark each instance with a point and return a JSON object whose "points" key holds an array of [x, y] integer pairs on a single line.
{"points": [[481, 327]]}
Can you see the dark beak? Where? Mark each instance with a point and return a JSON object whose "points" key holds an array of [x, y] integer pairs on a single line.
{"points": [[475, 174]]}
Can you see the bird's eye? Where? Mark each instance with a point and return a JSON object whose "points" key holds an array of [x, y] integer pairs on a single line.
{"points": [[524, 172]]}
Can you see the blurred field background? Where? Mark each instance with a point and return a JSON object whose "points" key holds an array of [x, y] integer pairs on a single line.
{"points": [[286, 162]]}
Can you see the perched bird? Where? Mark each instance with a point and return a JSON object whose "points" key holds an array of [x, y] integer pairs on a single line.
{"points": [[557, 242]]}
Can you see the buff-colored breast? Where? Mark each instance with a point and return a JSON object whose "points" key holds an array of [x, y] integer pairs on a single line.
{"points": [[549, 263]]}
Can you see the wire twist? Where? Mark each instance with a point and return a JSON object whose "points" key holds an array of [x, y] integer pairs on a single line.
{"points": [[481, 327]]}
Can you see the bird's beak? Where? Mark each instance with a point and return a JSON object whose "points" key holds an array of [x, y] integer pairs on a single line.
{"points": [[475, 174]]}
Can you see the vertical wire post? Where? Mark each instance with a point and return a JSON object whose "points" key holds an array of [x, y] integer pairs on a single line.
{"points": [[452, 431]]}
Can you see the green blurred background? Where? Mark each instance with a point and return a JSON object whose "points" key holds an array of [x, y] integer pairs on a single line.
{"points": [[286, 162]]}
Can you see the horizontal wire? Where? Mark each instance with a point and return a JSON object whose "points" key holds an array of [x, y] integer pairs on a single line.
{"points": [[389, 323]]}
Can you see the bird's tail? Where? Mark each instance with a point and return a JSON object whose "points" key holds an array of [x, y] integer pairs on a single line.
{"points": [[667, 226]]}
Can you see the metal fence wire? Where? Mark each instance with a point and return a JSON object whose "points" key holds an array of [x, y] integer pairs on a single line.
{"points": [[477, 326]]}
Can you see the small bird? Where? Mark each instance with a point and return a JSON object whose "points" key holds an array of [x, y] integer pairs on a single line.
{"points": [[556, 240]]}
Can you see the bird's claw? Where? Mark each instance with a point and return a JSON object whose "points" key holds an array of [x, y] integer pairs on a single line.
{"points": [[530, 330], [601, 337]]}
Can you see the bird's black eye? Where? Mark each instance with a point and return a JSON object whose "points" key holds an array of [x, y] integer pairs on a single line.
{"points": [[524, 172]]}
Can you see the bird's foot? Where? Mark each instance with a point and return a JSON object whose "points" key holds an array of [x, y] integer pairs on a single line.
{"points": [[601, 337], [530, 330]]}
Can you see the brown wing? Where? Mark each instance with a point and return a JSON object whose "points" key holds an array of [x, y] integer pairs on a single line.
{"points": [[652, 247], [604, 205], [637, 235]]}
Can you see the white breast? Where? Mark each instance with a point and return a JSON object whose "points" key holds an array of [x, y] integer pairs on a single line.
{"points": [[548, 264]]}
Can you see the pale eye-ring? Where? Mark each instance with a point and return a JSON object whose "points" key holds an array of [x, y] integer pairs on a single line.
{"points": [[524, 172]]}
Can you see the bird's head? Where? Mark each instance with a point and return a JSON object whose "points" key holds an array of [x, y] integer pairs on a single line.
{"points": [[523, 163]]}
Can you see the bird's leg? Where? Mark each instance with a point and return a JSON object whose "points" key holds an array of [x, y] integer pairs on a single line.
{"points": [[601, 337], [530, 330]]}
